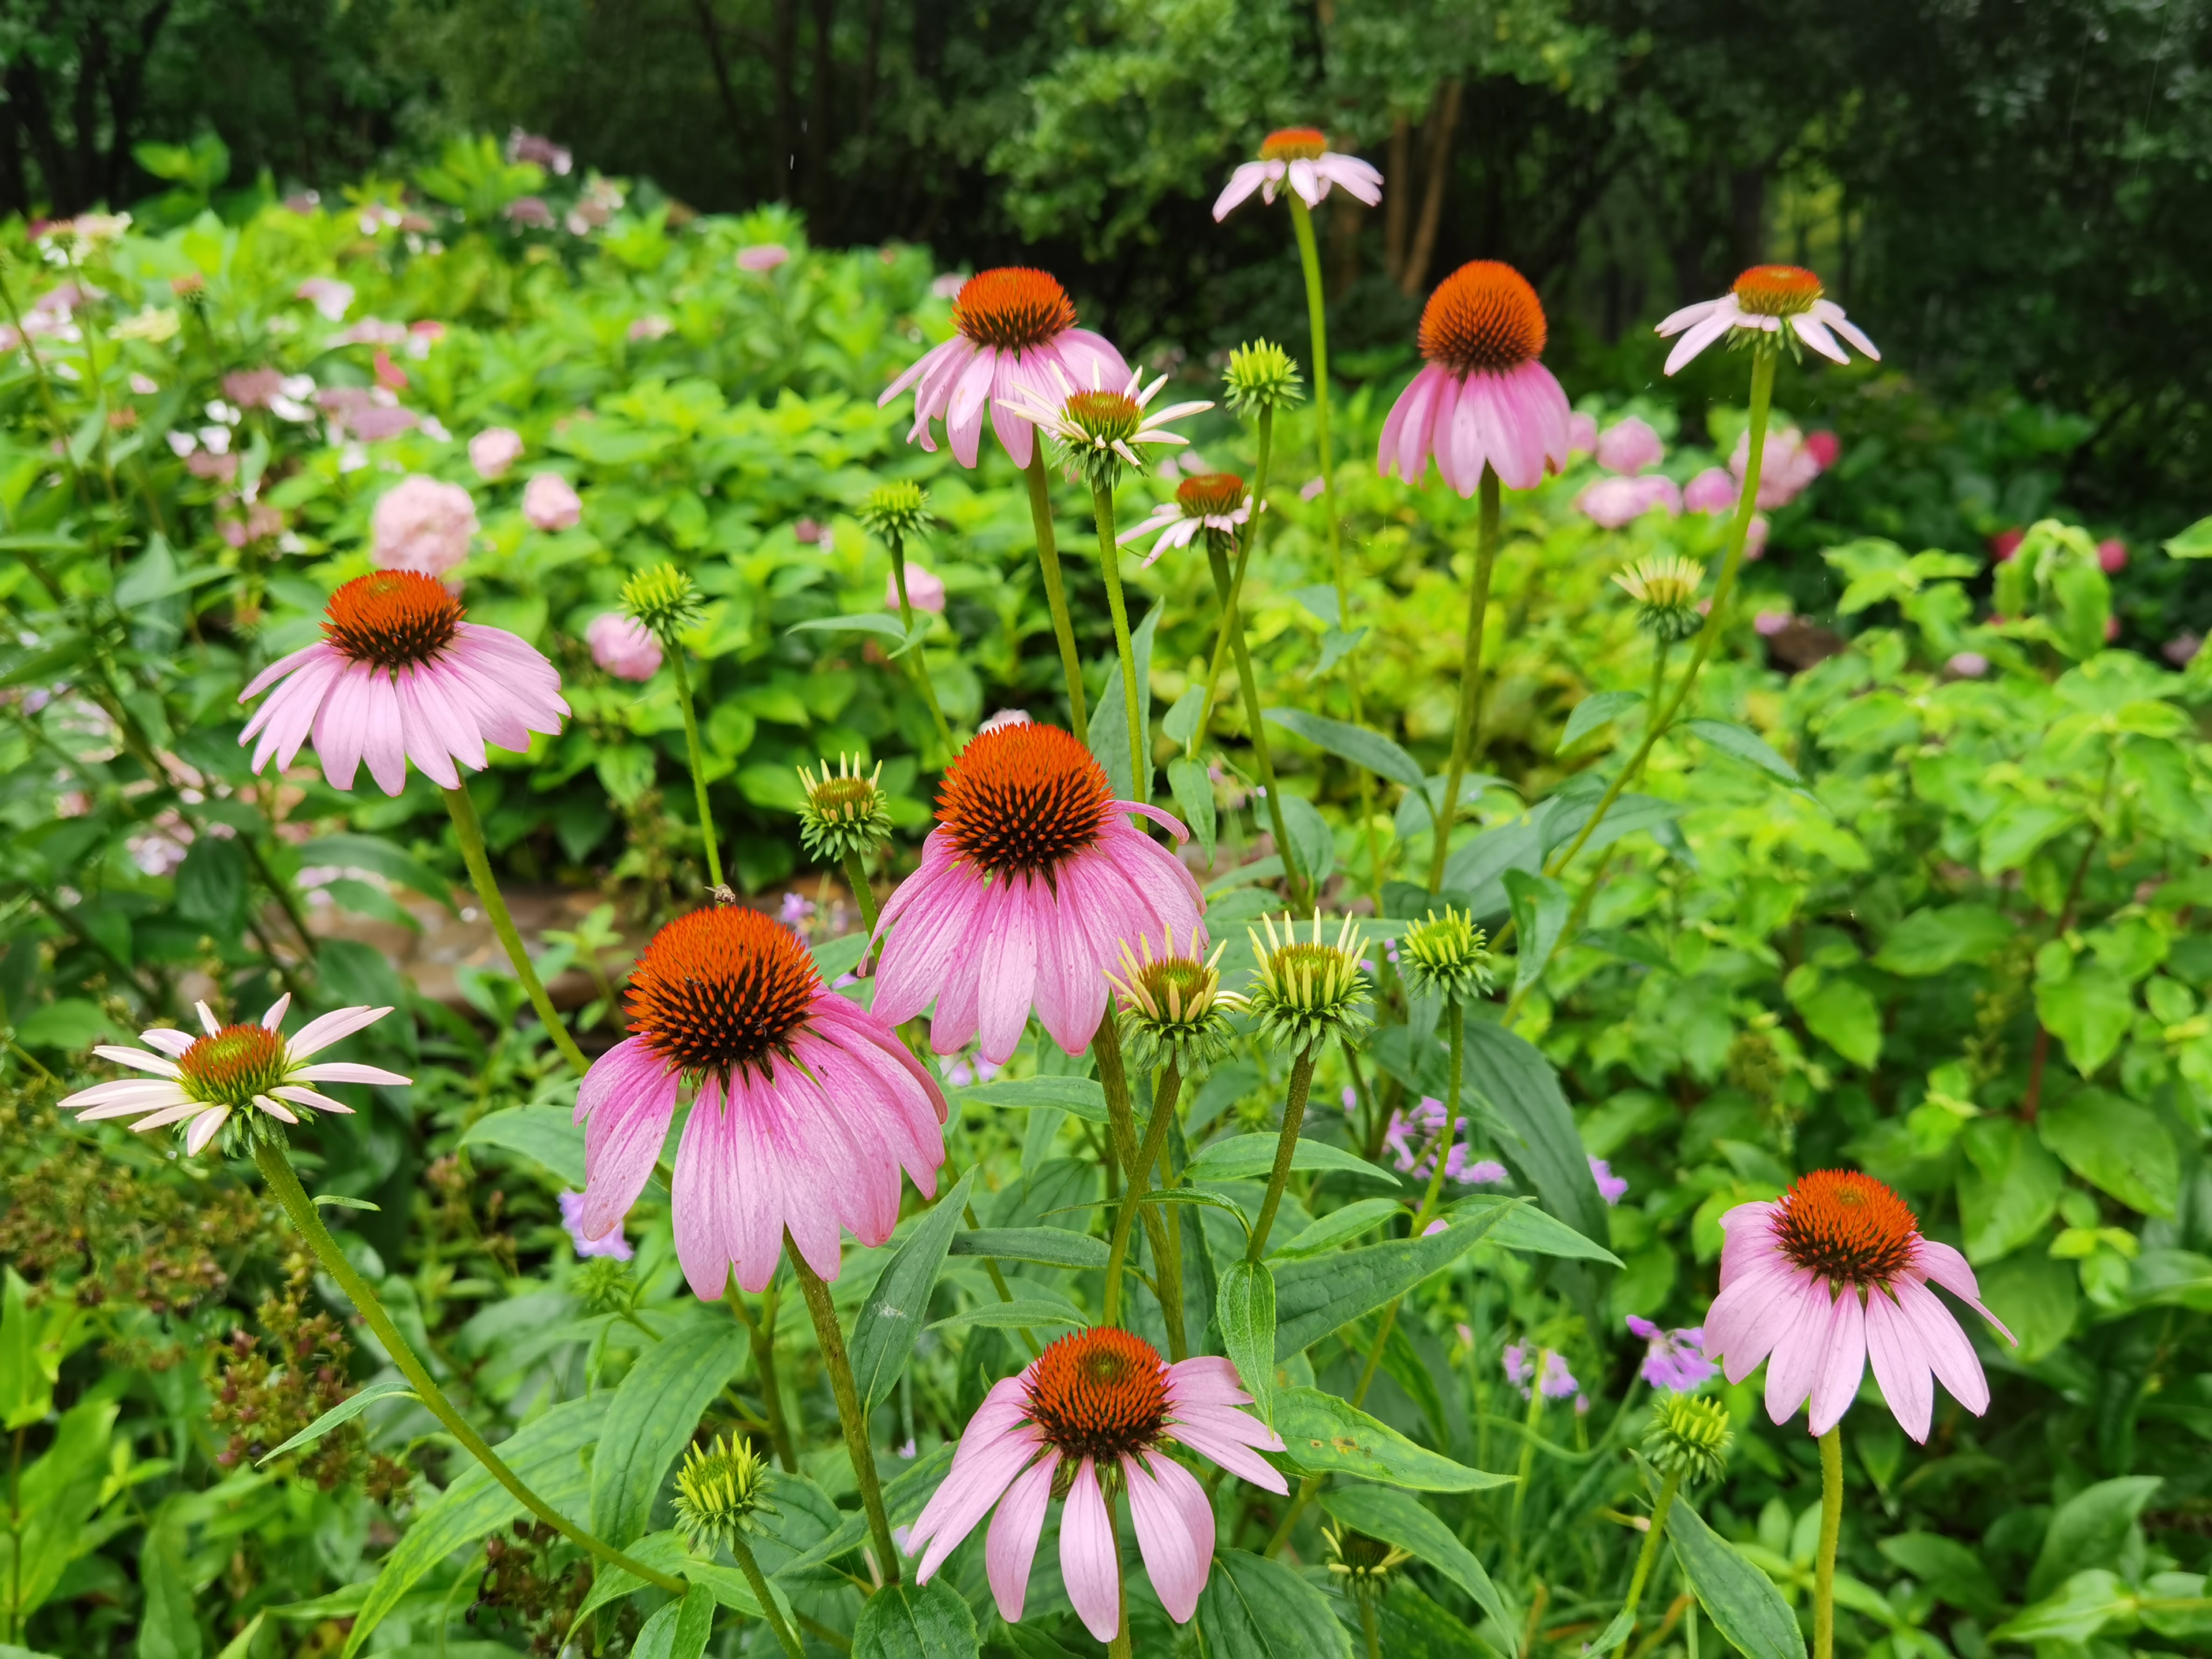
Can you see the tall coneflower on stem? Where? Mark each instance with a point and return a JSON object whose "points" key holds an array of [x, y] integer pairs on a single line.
{"points": [[1491, 414], [1012, 326], [663, 601], [894, 513], [399, 678]]}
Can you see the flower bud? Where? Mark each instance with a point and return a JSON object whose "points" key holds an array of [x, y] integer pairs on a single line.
{"points": [[1446, 955], [1665, 589], [663, 599], [845, 812], [1262, 376], [1689, 1436], [1364, 1564], [1173, 1008], [1306, 991], [721, 1490], [893, 512]]}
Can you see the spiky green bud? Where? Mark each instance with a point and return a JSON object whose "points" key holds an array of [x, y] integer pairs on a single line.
{"points": [[1365, 1565], [1446, 955], [846, 812], [663, 599], [721, 1491], [893, 512], [605, 1285], [1262, 376], [1173, 1008], [1304, 992], [1689, 1435]]}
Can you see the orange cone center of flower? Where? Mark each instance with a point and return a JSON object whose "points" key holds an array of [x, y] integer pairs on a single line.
{"points": [[393, 619], [1104, 417], [1845, 1227], [720, 989], [1013, 307], [1777, 290], [1483, 318], [1294, 144], [234, 1065], [1024, 799], [1100, 1394], [1210, 495]]}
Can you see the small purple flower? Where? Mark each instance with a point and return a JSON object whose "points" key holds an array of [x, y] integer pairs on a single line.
{"points": [[797, 908], [1350, 1100], [1484, 1172], [1435, 1227], [572, 1218], [1673, 1360], [907, 1450], [1610, 1187], [1558, 1382], [968, 1070]]}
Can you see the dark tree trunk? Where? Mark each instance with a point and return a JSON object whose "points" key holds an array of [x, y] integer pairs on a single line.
{"points": [[783, 48], [822, 85], [711, 29], [1443, 116], [1396, 189]]}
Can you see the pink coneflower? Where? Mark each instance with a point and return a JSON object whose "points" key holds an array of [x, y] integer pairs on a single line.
{"points": [[765, 256], [423, 524], [1012, 323], [1673, 1360], [1761, 300], [551, 503], [1215, 501], [493, 451], [1713, 490], [626, 649], [1097, 1401], [1029, 886], [246, 1070], [1483, 400], [399, 677], [1300, 156], [1629, 446], [925, 590], [1610, 503], [1789, 464], [806, 1105], [1834, 1273]]}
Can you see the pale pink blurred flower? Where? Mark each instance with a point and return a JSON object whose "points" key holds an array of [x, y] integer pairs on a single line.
{"points": [[2111, 556], [1610, 1187], [794, 911], [144, 386], [252, 388], [493, 451], [1097, 1402], [765, 256], [1014, 325], [1545, 1367], [806, 532], [1968, 665], [648, 329], [389, 375], [422, 334], [2111, 629], [1829, 1276], [327, 294], [2181, 650], [1613, 502], [1790, 464], [1628, 446], [626, 649], [1300, 156], [1582, 434], [529, 212], [1003, 718], [948, 286], [1763, 300], [206, 463], [1713, 490], [539, 152], [261, 522], [1483, 400], [1754, 537], [372, 331], [925, 590], [805, 1106], [1311, 489], [423, 524], [572, 1218], [549, 502], [1771, 622], [1825, 446]]}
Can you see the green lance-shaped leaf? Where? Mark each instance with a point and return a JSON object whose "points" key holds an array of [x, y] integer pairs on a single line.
{"points": [[1337, 1227], [1353, 743], [344, 1412], [916, 1621], [1080, 1097], [1047, 1247], [547, 1135], [1595, 711], [680, 1629], [891, 1318], [1324, 1435], [1244, 1308], [1398, 1518], [1242, 1158], [1741, 1600], [1317, 1296], [652, 1417], [1522, 1226], [1256, 1608]]}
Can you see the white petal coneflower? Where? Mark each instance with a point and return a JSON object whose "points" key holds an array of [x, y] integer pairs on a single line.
{"points": [[1102, 431], [1761, 301]]}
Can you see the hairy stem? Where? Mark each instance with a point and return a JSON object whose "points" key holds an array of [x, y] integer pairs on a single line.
{"points": [[920, 666], [850, 1416], [1469, 718], [1832, 1527], [761, 1334], [769, 1611], [1286, 1147], [1223, 585], [1231, 605], [1055, 591], [698, 759], [856, 878], [470, 833], [1109, 566], [1164, 1091], [1650, 1553]]}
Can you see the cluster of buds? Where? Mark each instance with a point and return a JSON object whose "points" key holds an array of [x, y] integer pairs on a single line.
{"points": [[845, 812], [1173, 1008], [1304, 992], [664, 600], [721, 1492], [1665, 589], [1446, 955]]}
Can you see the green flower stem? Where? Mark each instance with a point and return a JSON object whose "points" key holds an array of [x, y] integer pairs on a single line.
{"points": [[1225, 587], [1367, 1626], [1650, 1553], [1231, 605], [283, 1183], [1120, 1647], [856, 878], [1832, 1511], [1527, 1459], [1055, 591], [1455, 1025], [1762, 396], [1470, 719], [760, 1332], [470, 832], [1287, 1146], [1109, 566], [1122, 1141], [920, 666], [769, 1611], [850, 1416], [698, 759], [1165, 1089]]}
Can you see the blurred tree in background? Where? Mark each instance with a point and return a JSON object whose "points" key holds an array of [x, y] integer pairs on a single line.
{"points": [[2020, 190]]}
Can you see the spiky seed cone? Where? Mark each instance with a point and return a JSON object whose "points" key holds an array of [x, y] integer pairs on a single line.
{"points": [[846, 812], [663, 599], [1262, 376]]}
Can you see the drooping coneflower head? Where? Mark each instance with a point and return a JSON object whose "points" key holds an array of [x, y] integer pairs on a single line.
{"points": [[391, 619], [1365, 1565], [1100, 1394], [846, 812], [1482, 319], [1776, 291], [1014, 308], [1023, 799], [1173, 1008], [1846, 1228], [230, 1067], [1665, 589], [1294, 144], [1210, 494], [1307, 990], [720, 989]]}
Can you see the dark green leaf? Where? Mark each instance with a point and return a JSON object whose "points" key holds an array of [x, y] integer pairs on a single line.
{"points": [[1081, 1096], [1194, 794], [547, 1135], [211, 884], [1945, 1568], [1311, 840], [680, 1629], [1256, 1608], [1398, 1518], [1600, 709], [1242, 1158], [2067, 1619], [1109, 715], [167, 1627], [1929, 941], [1244, 1308], [1520, 1086], [883, 1337], [1317, 1296], [358, 852], [1353, 743], [1540, 907], [1018, 1314], [1049, 1247], [1324, 1435], [1337, 1227], [911, 1621], [1522, 1226], [2089, 1529], [1742, 742], [651, 1419], [902, 1499], [1741, 1600], [2116, 1146], [344, 1412]]}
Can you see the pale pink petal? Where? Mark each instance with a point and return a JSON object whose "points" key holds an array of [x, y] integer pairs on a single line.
{"points": [[1842, 1363], [928, 942], [1675, 321], [1209, 1439], [1814, 333], [320, 651], [347, 1071], [384, 741], [1242, 182], [1362, 180], [1947, 1267], [1007, 963], [202, 1128], [1087, 1562], [1305, 178], [318, 1033], [273, 1018], [1010, 1548], [1901, 1368], [137, 1060], [1794, 1366], [1408, 415], [1950, 1355], [125, 1087], [168, 1114], [1206, 1380], [285, 720], [341, 725], [1717, 323], [1753, 1313], [959, 1504], [922, 365], [1832, 314], [625, 1102], [1174, 1557], [309, 1098], [171, 1043], [963, 415]]}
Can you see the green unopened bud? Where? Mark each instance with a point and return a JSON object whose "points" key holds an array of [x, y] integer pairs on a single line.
{"points": [[846, 812], [1262, 376], [1365, 1565], [893, 512], [1688, 1436], [663, 599], [1306, 991], [1173, 1008], [1665, 589], [605, 1285], [1447, 956], [721, 1491]]}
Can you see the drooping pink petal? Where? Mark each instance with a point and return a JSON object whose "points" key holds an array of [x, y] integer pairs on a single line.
{"points": [[1753, 1313], [1950, 1355], [1717, 322], [923, 950], [384, 744], [1900, 1366], [1207, 1435], [1362, 180], [1842, 1363], [1795, 1365], [1206, 1380], [922, 365], [1087, 1561], [625, 1102], [966, 1496], [1814, 333], [1675, 321], [1247, 178], [963, 415], [202, 1128], [341, 725], [1174, 1557], [1010, 1548], [1007, 970]]}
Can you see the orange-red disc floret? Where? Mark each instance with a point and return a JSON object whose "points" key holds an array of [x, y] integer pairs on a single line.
{"points": [[1013, 307], [1211, 495], [1024, 799], [233, 1065], [1846, 1227], [1484, 317], [722, 988], [393, 619], [1100, 1394], [1777, 290], [1294, 144]]}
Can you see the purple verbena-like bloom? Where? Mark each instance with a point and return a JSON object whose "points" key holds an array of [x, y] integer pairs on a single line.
{"points": [[572, 1218], [1674, 1360]]}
